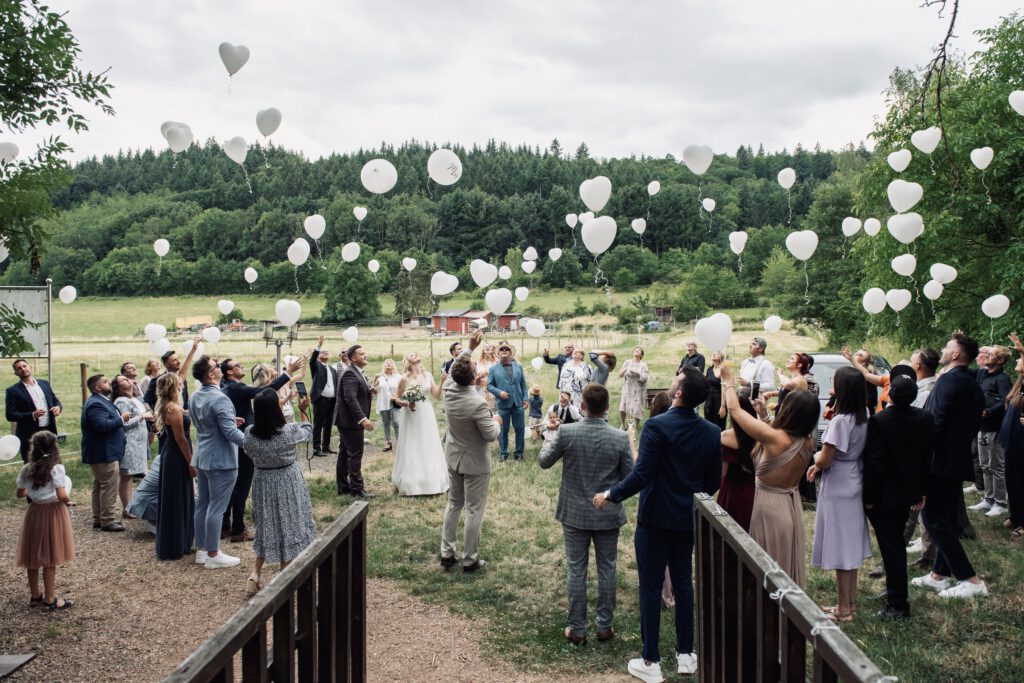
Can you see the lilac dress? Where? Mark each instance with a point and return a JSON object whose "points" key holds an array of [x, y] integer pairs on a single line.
{"points": [[840, 527]]}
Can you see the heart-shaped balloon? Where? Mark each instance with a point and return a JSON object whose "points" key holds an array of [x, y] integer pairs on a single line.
{"points": [[995, 306], [898, 299], [504, 272], [522, 293], [905, 264], [932, 289], [155, 331], [698, 158], [851, 226], [802, 244], [899, 160], [596, 192], [709, 204], [225, 306], [905, 227], [982, 157], [409, 263], [373, 265], [233, 56], [350, 252], [772, 323], [268, 120], [535, 327], [904, 195], [314, 226], [737, 241], [211, 334], [236, 148], [639, 225], [187, 346], [442, 284], [872, 226], [288, 312], [351, 334], [874, 300], [653, 188], [554, 254], [586, 216], [159, 347], [786, 178], [940, 272], [571, 220], [179, 138], [926, 140], [251, 275], [530, 254], [378, 176], [498, 300], [359, 212], [1017, 101], [444, 167], [8, 152], [598, 234], [483, 273], [714, 331], [529, 266]]}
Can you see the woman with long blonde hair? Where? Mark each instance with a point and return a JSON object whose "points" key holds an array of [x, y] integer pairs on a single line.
{"points": [[420, 467], [176, 500], [488, 357], [386, 384]]}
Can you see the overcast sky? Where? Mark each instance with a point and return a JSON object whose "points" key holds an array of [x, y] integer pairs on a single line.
{"points": [[640, 77]]}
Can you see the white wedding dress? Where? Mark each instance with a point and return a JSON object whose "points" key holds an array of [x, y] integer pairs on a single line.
{"points": [[420, 466]]}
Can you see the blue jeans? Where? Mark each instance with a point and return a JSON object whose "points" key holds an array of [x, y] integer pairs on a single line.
{"points": [[512, 417], [215, 488], [656, 548]]}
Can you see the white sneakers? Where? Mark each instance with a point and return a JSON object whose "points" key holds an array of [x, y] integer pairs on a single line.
{"points": [[965, 589], [981, 506], [996, 510], [200, 557], [972, 489], [651, 673], [927, 581], [687, 664], [916, 546], [221, 559]]}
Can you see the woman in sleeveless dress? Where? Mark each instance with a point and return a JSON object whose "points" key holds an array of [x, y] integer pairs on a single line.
{"points": [[781, 457], [176, 500], [714, 409], [420, 467]]}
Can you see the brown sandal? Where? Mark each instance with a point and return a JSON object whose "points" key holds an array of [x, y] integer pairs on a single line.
{"points": [[842, 617]]}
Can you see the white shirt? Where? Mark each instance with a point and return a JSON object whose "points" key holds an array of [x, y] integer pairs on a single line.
{"points": [[924, 390], [47, 493], [39, 399], [328, 390], [759, 369], [387, 388]]}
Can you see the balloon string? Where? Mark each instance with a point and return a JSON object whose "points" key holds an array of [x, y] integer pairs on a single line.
{"points": [[807, 285], [988, 194], [871, 325], [246, 174], [931, 161], [321, 253], [789, 202], [159, 264], [844, 245], [739, 256], [648, 208], [175, 158], [429, 193], [297, 280], [266, 162], [573, 231], [917, 291], [897, 318], [935, 315], [991, 330]]}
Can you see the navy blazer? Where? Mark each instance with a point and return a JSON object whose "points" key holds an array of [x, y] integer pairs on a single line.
{"points": [[150, 397], [680, 455], [19, 407], [103, 438], [241, 396], [955, 404]]}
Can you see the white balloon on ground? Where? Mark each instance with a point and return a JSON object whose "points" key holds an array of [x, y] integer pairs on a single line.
{"points": [[350, 252], [482, 272], [159, 347], [737, 241], [982, 157], [225, 306], [351, 334], [653, 188], [714, 331], [530, 254], [698, 158], [943, 273], [639, 225], [314, 226], [268, 121], [211, 334], [772, 323], [786, 178], [932, 289], [8, 152], [598, 234], [237, 149], [571, 220], [444, 167], [903, 195], [709, 204], [535, 327], [378, 176], [899, 160], [872, 227], [554, 254], [926, 140], [298, 252], [251, 275], [287, 311], [161, 247], [995, 306], [154, 331], [874, 300], [522, 293], [359, 212], [905, 227], [504, 272], [898, 299], [409, 263], [67, 294], [234, 57], [10, 446], [498, 300], [529, 266], [373, 265], [905, 264], [851, 226], [443, 284], [596, 192], [1016, 100], [802, 244], [537, 364]]}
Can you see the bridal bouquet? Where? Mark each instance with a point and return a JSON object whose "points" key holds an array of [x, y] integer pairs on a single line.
{"points": [[413, 394]]}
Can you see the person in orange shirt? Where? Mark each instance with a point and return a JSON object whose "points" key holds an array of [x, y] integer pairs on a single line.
{"points": [[901, 368]]}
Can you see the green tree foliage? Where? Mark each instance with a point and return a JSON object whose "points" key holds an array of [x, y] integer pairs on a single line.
{"points": [[351, 291], [781, 282]]}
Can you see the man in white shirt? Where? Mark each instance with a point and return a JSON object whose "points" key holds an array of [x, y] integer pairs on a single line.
{"points": [[757, 368], [322, 394], [30, 405]]}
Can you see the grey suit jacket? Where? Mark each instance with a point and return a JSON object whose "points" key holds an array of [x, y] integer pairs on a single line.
{"points": [[470, 430], [596, 457], [217, 436]]}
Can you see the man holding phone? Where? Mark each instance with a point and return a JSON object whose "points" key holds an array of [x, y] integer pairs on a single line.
{"points": [[757, 374]]}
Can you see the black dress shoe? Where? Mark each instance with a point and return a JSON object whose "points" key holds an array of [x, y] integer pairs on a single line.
{"points": [[878, 572], [318, 454], [95, 525], [447, 563], [116, 526], [366, 495], [476, 566], [329, 451], [889, 612]]}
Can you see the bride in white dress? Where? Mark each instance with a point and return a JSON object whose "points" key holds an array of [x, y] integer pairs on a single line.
{"points": [[420, 466]]}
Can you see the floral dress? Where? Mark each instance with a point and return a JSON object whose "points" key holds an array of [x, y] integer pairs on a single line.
{"points": [[574, 377], [634, 389]]}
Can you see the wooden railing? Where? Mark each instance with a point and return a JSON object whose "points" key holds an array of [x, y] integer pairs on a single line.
{"points": [[314, 610], [754, 622]]}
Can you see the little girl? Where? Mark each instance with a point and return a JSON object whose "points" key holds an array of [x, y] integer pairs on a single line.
{"points": [[45, 542], [536, 412]]}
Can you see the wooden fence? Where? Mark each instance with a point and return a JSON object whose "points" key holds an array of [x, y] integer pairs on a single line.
{"points": [[315, 610], [754, 622]]}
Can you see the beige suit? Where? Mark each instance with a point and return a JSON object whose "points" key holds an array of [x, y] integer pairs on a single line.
{"points": [[467, 449]]}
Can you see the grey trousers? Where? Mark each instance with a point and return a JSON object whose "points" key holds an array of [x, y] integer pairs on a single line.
{"points": [[577, 558], [469, 491], [990, 456], [389, 418]]}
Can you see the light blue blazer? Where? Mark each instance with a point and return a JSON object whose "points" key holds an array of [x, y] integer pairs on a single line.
{"points": [[217, 437], [498, 381]]}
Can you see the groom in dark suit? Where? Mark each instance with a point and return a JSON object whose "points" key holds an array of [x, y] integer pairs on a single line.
{"points": [[352, 415], [31, 405]]}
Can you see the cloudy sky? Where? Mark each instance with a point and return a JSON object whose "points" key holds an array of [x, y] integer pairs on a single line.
{"points": [[640, 77]]}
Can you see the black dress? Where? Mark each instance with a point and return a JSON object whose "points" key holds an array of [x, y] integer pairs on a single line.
{"points": [[714, 399], [176, 503]]}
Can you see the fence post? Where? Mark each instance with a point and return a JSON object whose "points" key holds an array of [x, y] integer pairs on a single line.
{"points": [[84, 369]]}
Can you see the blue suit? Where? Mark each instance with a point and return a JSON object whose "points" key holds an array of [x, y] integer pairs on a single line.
{"points": [[511, 408], [680, 455], [103, 438]]}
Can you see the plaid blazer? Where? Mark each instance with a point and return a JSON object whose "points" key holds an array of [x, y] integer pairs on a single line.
{"points": [[596, 456]]}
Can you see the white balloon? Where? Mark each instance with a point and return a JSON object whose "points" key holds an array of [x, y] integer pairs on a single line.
{"points": [[874, 300], [529, 266], [350, 252], [444, 167], [351, 334], [709, 204], [442, 284], [905, 227], [596, 192], [154, 331], [10, 446], [714, 331], [179, 137], [586, 216], [4, 253], [187, 346], [522, 293], [237, 149], [535, 327], [872, 226], [225, 306], [504, 272], [571, 220], [379, 176], [211, 334], [159, 347], [904, 195], [537, 363], [373, 265], [554, 254], [498, 300], [1017, 101], [167, 125], [982, 157], [298, 252], [698, 158], [905, 264], [409, 263], [786, 178], [899, 160], [268, 121], [67, 294], [653, 187], [288, 312], [898, 299], [772, 323], [598, 234], [851, 226], [233, 56], [995, 306], [933, 289], [359, 212], [481, 323], [926, 140], [940, 272], [8, 152], [737, 241], [639, 225], [251, 275], [802, 244], [161, 247], [530, 254], [314, 226], [482, 272]]}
